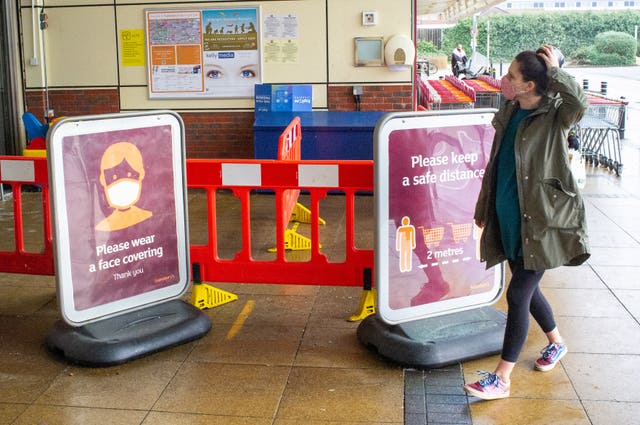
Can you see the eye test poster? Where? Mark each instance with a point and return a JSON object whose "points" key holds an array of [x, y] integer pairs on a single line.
{"points": [[121, 214], [210, 53]]}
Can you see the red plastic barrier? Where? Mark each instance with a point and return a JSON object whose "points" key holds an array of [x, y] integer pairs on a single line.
{"points": [[349, 177], [289, 149], [289, 141], [18, 172], [279, 176]]}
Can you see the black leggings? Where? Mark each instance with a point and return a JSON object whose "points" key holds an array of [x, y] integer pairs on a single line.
{"points": [[524, 296]]}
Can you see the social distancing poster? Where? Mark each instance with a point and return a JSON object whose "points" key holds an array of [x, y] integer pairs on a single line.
{"points": [[429, 168]]}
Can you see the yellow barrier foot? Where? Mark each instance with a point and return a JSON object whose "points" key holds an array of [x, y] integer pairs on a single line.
{"points": [[302, 214], [294, 241], [206, 296], [367, 305]]}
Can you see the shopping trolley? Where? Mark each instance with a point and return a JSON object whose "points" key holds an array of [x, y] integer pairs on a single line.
{"points": [[449, 96], [488, 93], [601, 142]]}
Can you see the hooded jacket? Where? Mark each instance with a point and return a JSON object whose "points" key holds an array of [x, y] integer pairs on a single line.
{"points": [[553, 223]]}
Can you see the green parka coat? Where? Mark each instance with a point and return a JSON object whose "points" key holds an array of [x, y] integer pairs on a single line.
{"points": [[553, 222]]}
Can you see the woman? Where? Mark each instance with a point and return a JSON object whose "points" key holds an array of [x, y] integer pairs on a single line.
{"points": [[529, 205]]}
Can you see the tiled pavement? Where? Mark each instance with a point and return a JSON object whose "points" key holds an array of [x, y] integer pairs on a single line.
{"points": [[296, 360]]}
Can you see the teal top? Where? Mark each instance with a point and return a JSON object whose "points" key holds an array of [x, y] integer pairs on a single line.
{"points": [[507, 201]]}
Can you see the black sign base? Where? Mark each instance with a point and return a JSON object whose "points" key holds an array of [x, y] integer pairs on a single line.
{"points": [[437, 341], [119, 339]]}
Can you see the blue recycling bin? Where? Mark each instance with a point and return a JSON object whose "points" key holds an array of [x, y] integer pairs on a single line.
{"points": [[330, 135]]}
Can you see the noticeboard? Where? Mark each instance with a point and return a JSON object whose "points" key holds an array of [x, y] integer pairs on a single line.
{"points": [[203, 53], [119, 213], [428, 171]]}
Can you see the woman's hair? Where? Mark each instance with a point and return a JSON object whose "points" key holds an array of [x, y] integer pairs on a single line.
{"points": [[533, 68]]}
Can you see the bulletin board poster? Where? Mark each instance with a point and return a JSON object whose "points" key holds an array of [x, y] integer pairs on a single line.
{"points": [[428, 172], [119, 213], [203, 53]]}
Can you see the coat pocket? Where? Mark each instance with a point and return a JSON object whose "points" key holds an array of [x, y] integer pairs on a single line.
{"points": [[561, 207]]}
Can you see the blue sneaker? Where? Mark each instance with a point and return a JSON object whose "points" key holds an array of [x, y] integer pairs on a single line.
{"points": [[491, 387], [551, 355]]}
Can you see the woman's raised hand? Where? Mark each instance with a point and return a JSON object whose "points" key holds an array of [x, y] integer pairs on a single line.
{"points": [[549, 55]]}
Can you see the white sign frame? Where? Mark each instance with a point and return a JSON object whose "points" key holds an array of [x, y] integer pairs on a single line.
{"points": [[100, 124]]}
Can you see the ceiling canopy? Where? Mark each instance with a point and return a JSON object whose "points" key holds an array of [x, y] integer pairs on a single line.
{"points": [[454, 10]]}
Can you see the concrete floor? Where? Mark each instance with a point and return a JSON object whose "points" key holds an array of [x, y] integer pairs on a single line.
{"points": [[286, 355]]}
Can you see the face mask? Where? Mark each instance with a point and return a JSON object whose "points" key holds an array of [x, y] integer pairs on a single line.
{"points": [[123, 193], [508, 90]]}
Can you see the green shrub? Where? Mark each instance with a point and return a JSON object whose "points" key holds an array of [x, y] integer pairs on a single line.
{"points": [[610, 48], [458, 34], [616, 43], [583, 55], [426, 48], [572, 32], [609, 59]]}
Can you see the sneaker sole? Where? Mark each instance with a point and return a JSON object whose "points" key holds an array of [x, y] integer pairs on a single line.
{"points": [[485, 396], [551, 366]]}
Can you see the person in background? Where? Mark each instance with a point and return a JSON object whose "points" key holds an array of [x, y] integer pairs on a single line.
{"points": [[458, 60], [530, 207]]}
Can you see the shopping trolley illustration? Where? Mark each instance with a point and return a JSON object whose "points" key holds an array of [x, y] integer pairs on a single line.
{"points": [[432, 236], [461, 232]]}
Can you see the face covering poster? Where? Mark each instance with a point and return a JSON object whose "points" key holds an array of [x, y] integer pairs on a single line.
{"points": [[124, 231]]}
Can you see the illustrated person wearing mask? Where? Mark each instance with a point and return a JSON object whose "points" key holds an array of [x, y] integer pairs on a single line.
{"points": [[529, 204], [121, 175], [458, 60]]}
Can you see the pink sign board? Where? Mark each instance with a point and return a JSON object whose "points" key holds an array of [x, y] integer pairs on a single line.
{"points": [[119, 213], [428, 174]]}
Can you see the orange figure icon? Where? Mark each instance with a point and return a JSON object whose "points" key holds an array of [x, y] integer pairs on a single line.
{"points": [[405, 243], [121, 175]]}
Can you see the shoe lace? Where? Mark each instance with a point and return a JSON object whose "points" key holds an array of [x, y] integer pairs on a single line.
{"points": [[549, 351], [489, 379]]}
